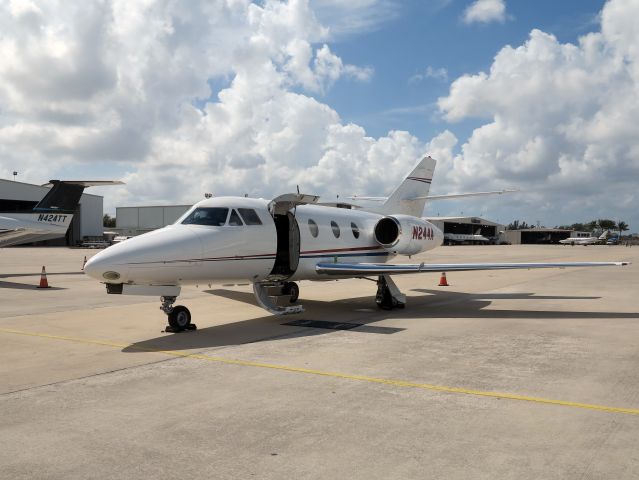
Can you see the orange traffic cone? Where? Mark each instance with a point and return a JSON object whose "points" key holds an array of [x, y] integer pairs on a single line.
{"points": [[43, 279], [84, 263], [442, 280]]}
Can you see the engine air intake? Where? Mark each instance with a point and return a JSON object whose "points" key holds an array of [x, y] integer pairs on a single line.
{"points": [[387, 231]]}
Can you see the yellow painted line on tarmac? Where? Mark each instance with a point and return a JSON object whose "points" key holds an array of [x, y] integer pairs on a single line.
{"points": [[308, 371]]}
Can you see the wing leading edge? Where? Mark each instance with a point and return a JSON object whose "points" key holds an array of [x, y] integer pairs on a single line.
{"points": [[366, 269]]}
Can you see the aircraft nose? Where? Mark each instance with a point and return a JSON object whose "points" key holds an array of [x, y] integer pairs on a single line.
{"points": [[157, 256], [103, 267]]}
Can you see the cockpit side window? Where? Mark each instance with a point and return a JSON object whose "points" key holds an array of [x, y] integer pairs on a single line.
{"points": [[249, 216], [235, 220], [215, 217]]}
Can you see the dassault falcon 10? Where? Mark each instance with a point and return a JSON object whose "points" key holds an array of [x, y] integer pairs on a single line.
{"points": [[275, 243]]}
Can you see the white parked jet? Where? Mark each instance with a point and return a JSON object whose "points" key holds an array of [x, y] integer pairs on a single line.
{"points": [[275, 243], [591, 240], [50, 218]]}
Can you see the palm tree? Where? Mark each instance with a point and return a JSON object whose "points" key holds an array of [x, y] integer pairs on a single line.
{"points": [[622, 227]]}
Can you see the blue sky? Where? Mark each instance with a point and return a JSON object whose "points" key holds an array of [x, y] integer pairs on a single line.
{"points": [[431, 33]]}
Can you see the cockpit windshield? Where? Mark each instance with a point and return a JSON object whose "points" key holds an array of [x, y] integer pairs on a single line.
{"points": [[215, 217]]}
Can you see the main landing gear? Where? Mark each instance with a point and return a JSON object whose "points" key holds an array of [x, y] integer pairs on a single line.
{"points": [[268, 293], [292, 290], [388, 295], [179, 316]]}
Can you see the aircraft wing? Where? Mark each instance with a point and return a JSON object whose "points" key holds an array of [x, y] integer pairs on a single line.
{"points": [[370, 269]]}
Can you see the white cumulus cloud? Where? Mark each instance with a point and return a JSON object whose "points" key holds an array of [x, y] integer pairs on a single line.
{"points": [[129, 84], [562, 121], [485, 11]]}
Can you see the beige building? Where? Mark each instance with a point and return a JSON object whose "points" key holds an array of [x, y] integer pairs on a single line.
{"points": [[138, 220]]}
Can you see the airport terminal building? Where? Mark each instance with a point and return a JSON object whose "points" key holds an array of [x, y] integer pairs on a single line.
{"points": [[87, 220]]}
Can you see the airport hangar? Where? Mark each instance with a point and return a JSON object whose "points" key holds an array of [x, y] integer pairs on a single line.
{"points": [[467, 226], [132, 221], [489, 229], [87, 219]]}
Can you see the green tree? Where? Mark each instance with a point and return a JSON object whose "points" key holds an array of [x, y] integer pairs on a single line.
{"points": [[606, 223], [622, 227], [108, 221]]}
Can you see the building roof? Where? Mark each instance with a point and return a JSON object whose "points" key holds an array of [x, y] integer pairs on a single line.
{"points": [[540, 230], [478, 220]]}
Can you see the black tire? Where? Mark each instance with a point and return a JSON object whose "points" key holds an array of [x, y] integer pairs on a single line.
{"points": [[291, 288], [180, 318], [384, 300]]}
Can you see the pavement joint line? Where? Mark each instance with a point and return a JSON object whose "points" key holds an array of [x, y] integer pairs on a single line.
{"points": [[308, 371]]}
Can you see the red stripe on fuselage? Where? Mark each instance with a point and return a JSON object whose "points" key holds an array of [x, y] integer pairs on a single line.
{"points": [[335, 250]]}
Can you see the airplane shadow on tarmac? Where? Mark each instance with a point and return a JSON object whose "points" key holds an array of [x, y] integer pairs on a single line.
{"points": [[31, 286], [25, 286], [362, 310]]}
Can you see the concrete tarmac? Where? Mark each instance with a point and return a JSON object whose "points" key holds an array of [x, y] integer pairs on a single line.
{"points": [[503, 374]]}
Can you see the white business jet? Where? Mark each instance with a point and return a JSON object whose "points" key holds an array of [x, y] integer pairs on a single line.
{"points": [[275, 243], [49, 219], [591, 240]]}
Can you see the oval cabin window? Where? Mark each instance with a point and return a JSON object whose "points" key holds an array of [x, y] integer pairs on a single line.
{"points": [[355, 229], [312, 226], [335, 228]]}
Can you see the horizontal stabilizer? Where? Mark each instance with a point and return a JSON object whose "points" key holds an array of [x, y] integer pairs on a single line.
{"points": [[367, 269], [463, 195], [437, 197], [85, 183]]}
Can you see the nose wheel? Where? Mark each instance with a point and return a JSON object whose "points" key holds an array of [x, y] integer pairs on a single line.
{"points": [[179, 317]]}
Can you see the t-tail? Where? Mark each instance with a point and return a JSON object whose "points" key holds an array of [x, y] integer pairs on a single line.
{"points": [[50, 218], [410, 196]]}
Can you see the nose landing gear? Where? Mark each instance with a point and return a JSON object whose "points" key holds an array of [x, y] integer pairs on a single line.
{"points": [[179, 316]]}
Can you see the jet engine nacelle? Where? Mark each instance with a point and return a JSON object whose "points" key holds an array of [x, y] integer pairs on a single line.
{"points": [[407, 235]]}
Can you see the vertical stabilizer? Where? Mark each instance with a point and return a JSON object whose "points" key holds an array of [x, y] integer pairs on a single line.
{"points": [[409, 197], [63, 198]]}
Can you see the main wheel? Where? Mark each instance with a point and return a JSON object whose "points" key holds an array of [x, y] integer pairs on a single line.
{"points": [[384, 299], [291, 288], [180, 317]]}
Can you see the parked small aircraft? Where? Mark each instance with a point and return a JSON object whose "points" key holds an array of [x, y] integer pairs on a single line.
{"points": [[591, 240], [275, 243], [50, 218]]}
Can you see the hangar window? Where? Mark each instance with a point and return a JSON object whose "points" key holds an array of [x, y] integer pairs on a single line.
{"points": [[249, 216], [215, 217], [355, 229], [312, 226], [235, 220], [335, 228]]}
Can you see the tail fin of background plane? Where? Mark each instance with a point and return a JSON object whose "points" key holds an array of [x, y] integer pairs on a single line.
{"points": [[409, 197], [65, 195]]}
